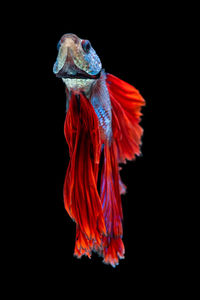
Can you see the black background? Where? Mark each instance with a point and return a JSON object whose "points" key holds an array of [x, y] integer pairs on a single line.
{"points": [[132, 44]]}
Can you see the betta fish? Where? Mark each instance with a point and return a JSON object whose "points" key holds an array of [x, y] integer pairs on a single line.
{"points": [[102, 124]]}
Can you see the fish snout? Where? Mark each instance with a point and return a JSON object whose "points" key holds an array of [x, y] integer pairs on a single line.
{"points": [[66, 47]]}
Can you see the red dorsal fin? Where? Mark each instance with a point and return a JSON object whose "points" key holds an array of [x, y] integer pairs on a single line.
{"points": [[126, 104]]}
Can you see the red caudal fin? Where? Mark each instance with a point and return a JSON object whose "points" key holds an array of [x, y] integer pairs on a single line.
{"points": [[113, 247], [81, 197], [126, 104]]}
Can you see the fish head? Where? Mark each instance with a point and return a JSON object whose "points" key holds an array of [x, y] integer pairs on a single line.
{"points": [[77, 62]]}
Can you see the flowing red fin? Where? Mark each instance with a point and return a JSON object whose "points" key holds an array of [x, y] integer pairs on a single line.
{"points": [[126, 104], [111, 205], [113, 250], [81, 197]]}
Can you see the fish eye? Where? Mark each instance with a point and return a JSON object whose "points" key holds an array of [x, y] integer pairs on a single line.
{"points": [[58, 45], [86, 46]]}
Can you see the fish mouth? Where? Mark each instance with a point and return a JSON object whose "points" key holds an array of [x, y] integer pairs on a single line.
{"points": [[71, 71], [78, 74]]}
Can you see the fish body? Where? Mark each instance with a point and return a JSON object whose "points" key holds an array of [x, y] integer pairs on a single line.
{"points": [[103, 115]]}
